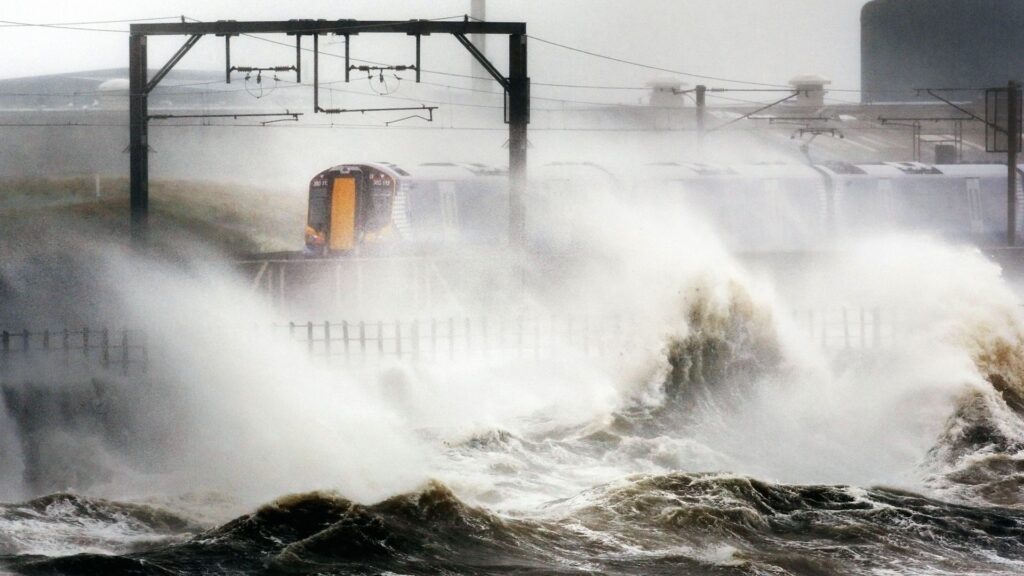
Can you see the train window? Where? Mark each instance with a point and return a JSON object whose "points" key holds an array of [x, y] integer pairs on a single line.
{"points": [[974, 205], [449, 210], [318, 209], [885, 190]]}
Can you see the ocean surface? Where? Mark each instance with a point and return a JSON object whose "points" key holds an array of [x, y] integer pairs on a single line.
{"points": [[737, 446]]}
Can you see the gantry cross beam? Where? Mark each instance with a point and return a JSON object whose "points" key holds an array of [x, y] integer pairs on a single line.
{"points": [[516, 85]]}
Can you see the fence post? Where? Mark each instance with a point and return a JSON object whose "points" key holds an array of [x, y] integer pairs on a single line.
{"points": [[398, 339], [327, 340], [309, 338], [824, 328], [344, 336], [380, 339], [124, 353], [66, 344], [451, 338], [5, 343], [46, 340], [105, 347], [433, 339], [85, 341], [876, 327], [145, 352], [291, 330], [863, 328], [483, 336], [25, 341], [415, 340], [846, 330], [362, 340]]}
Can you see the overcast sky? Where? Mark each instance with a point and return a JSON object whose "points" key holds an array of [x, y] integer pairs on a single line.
{"points": [[758, 40]]}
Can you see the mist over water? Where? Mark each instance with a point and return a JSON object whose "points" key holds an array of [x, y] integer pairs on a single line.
{"points": [[720, 435]]}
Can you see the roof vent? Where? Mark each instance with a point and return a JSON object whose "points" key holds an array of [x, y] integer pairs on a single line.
{"points": [[811, 89]]}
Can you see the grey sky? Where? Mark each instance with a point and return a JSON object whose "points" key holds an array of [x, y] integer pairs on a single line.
{"points": [[758, 40]]}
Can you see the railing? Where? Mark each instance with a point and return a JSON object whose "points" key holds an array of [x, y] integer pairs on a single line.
{"points": [[457, 339], [123, 351], [453, 339], [544, 338], [848, 328]]}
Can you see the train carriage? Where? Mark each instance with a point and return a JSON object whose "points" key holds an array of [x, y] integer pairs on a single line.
{"points": [[755, 208], [957, 202], [381, 207]]}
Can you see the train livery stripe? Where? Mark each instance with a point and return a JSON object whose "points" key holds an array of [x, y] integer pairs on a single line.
{"points": [[343, 214]]}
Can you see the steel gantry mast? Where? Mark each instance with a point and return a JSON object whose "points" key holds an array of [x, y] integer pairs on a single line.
{"points": [[516, 85]]}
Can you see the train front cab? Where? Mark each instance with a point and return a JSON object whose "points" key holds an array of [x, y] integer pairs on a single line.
{"points": [[348, 205]]}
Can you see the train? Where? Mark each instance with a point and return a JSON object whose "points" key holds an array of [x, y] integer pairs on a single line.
{"points": [[379, 207], [383, 208]]}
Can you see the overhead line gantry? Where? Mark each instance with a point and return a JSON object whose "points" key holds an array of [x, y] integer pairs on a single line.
{"points": [[516, 85]]}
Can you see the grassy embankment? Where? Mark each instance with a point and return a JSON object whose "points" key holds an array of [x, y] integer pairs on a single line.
{"points": [[228, 218]]}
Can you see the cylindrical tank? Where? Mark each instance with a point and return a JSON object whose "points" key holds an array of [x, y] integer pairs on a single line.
{"points": [[909, 44]]}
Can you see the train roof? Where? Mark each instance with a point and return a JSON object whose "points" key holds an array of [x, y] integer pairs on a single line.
{"points": [[686, 171], [913, 169], [691, 170], [429, 170]]}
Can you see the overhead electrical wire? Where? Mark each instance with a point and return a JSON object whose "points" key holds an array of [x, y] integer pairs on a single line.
{"points": [[651, 67]]}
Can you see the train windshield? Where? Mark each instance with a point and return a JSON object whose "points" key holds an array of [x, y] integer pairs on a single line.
{"points": [[318, 209]]}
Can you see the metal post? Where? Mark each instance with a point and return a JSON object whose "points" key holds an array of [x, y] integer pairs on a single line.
{"points": [[138, 137], [433, 338], [1013, 138], [415, 335], [316, 70], [309, 338], [451, 339], [518, 118], [105, 343], [701, 102], [124, 353], [398, 339], [227, 58], [362, 340], [327, 339], [344, 336]]}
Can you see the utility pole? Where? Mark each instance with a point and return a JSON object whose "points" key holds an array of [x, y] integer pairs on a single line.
{"points": [[701, 101], [1012, 148], [138, 141], [518, 118]]}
